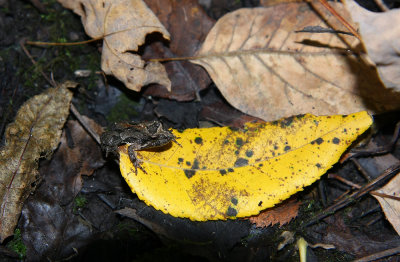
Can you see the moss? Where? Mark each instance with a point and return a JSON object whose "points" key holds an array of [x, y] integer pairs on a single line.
{"points": [[123, 110], [17, 245], [80, 201], [128, 228]]}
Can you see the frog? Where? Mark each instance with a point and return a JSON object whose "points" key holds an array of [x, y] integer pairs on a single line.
{"points": [[138, 136]]}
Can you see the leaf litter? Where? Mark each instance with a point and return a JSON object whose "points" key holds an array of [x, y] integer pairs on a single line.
{"points": [[52, 207], [259, 63], [381, 39], [123, 25], [219, 173], [34, 133], [187, 79]]}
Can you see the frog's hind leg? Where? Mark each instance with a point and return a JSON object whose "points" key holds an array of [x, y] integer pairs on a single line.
{"points": [[135, 161]]}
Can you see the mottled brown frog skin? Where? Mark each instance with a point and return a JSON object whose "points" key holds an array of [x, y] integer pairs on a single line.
{"points": [[137, 136]]}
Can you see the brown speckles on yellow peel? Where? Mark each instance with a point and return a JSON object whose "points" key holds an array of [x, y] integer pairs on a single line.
{"points": [[220, 173]]}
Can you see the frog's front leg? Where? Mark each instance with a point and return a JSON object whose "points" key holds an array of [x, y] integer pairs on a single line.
{"points": [[135, 161]]}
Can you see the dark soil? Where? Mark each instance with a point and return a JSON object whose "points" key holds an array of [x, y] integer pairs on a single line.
{"points": [[57, 223]]}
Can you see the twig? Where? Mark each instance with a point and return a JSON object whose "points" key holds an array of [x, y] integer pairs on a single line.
{"points": [[386, 175], [380, 150], [22, 44], [340, 18], [361, 168], [84, 124], [382, 254], [347, 182], [73, 110], [381, 5]]}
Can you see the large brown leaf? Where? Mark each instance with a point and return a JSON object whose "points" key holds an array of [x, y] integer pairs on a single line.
{"points": [[124, 25], [381, 39], [51, 208], [265, 68], [188, 25], [36, 131]]}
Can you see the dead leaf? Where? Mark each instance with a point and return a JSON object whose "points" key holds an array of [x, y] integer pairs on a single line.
{"points": [[381, 39], [266, 69], [267, 3], [391, 207], [188, 25], [281, 215], [348, 240], [51, 207], [374, 166], [124, 25], [35, 132], [222, 173]]}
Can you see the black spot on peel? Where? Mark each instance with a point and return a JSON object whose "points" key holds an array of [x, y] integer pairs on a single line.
{"points": [[249, 153], [198, 140], [230, 170], [222, 171], [234, 201], [196, 164], [286, 122], [336, 140], [318, 141], [239, 142], [189, 173], [287, 148], [241, 162], [231, 212], [260, 203], [180, 160], [318, 165], [188, 163]]}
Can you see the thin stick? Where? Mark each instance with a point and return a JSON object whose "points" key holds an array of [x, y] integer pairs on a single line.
{"points": [[381, 5], [85, 125], [382, 254], [385, 175], [73, 110], [340, 18], [375, 193]]}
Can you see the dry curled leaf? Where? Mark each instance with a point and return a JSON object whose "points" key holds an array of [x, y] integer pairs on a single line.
{"points": [[265, 67], [124, 25], [220, 173], [381, 39], [281, 215], [35, 132]]}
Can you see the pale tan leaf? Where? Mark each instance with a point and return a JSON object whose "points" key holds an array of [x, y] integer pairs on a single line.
{"points": [[266, 69], [35, 132], [391, 207], [381, 39], [124, 25]]}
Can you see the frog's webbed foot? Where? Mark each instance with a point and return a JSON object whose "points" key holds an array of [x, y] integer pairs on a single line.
{"points": [[135, 161]]}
